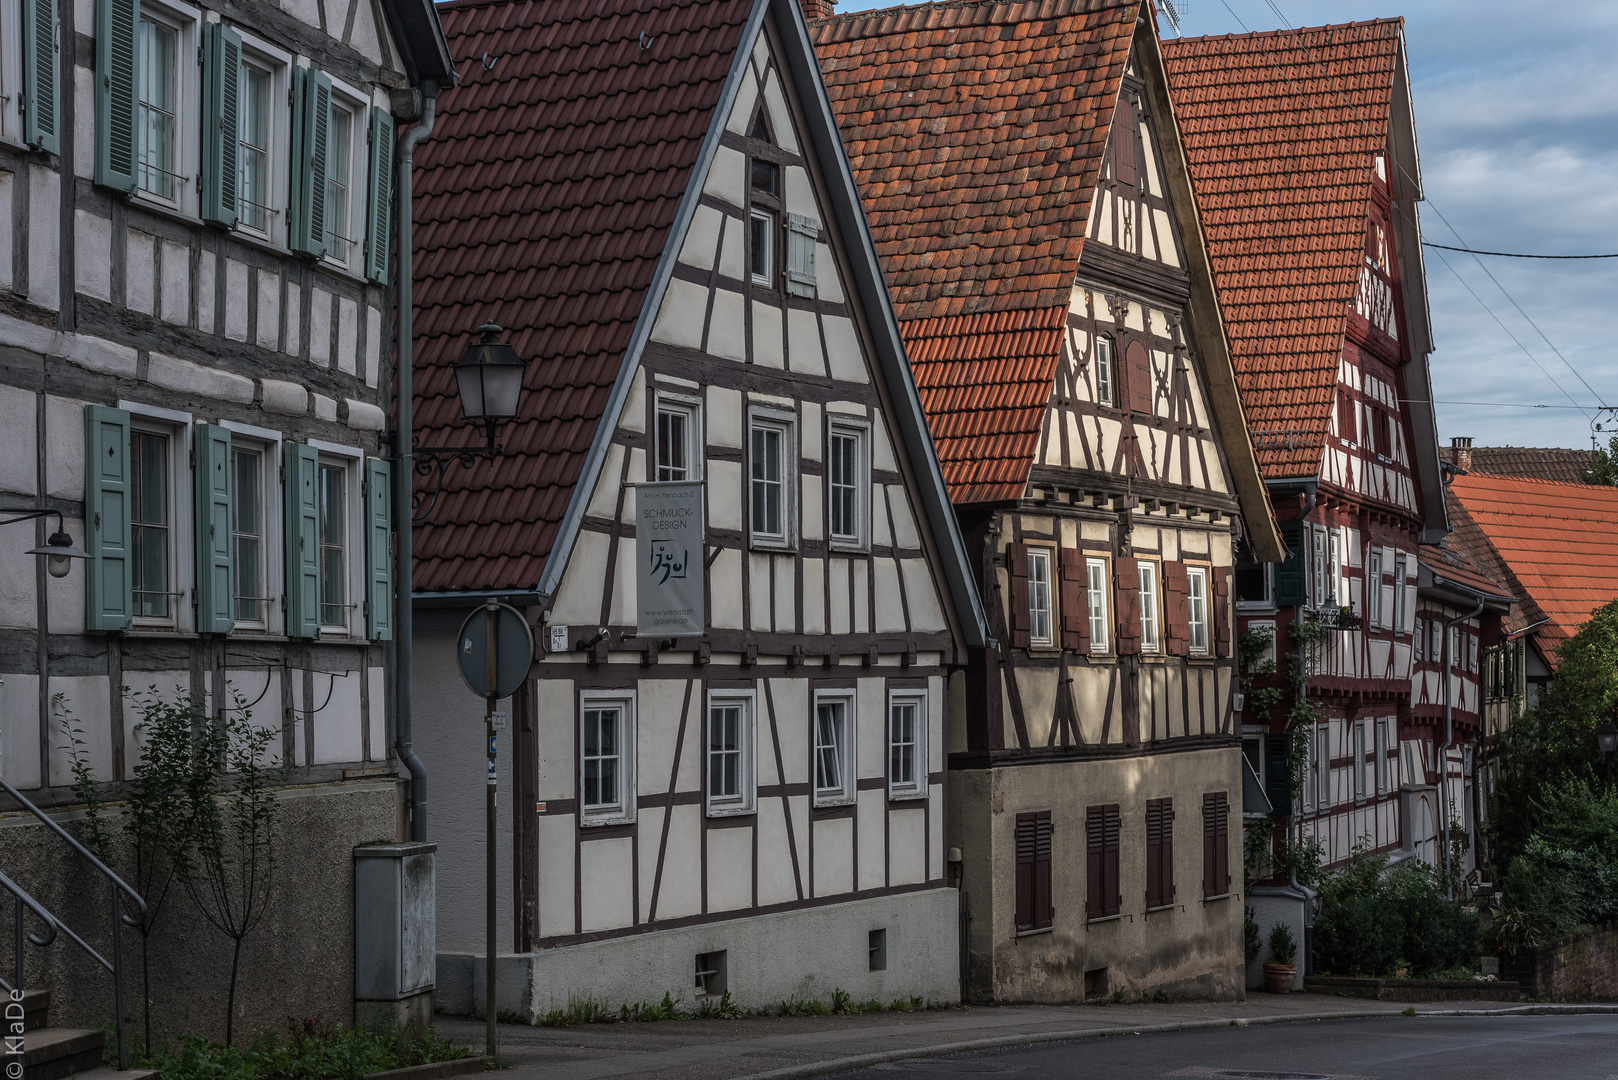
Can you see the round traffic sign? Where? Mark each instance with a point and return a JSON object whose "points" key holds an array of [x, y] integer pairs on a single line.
{"points": [[513, 650]]}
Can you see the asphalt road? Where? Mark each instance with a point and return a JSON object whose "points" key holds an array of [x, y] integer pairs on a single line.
{"points": [[1399, 1048]]}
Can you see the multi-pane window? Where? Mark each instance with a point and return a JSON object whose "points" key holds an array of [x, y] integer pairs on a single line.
{"points": [[601, 757], [1419, 639], [768, 482], [1105, 370], [1040, 620], [726, 773], [907, 762], [676, 444], [1149, 640], [333, 496], [845, 480], [156, 110], [1373, 589], [1095, 571], [834, 766], [151, 524], [1399, 596], [761, 248], [1384, 748], [247, 533], [339, 183], [1359, 759], [1322, 771], [1196, 608], [254, 137]]}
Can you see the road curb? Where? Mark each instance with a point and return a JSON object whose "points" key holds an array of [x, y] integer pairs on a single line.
{"points": [[862, 1061]]}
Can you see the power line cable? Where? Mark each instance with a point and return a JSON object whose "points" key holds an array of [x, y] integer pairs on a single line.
{"points": [[1512, 254]]}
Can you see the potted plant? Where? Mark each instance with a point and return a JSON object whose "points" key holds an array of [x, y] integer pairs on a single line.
{"points": [[1281, 967]]}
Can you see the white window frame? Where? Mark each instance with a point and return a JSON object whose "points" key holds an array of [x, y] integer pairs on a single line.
{"points": [[1198, 611], [767, 217], [1384, 754], [351, 458], [1358, 746], [259, 53], [1151, 623], [1322, 735], [269, 443], [622, 811], [690, 408], [860, 432], [1106, 371], [1041, 598], [358, 106], [186, 21], [1317, 566], [182, 513], [1335, 567], [844, 793], [11, 126], [1097, 576], [1401, 598], [746, 799], [1373, 589], [1266, 605], [917, 786], [785, 424]]}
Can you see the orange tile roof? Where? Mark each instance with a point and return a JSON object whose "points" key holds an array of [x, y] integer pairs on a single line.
{"points": [[1538, 463], [976, 132], [1558, 542], [1279, 130]]}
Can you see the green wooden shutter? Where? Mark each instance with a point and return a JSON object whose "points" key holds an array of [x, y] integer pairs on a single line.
{"points": [[378, 549], [379, 223], [39, 75], [299, 476], [109, 603], [1291, 587], [116, 23], [311, 118], [211, 469], [221, 92]]}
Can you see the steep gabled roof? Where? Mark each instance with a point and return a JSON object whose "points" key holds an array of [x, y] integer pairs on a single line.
{"points": [[543, 202], [1558, 542], [1280, 130], [1530, 462]]}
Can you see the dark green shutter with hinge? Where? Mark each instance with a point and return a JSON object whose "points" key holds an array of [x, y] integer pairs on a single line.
{"points": [[116, 23], [221, 92], [379, 220], [300, 470], [108, 600], [311, 117], [211, 468], [378, 550], [1290, 580], [39, 82]]}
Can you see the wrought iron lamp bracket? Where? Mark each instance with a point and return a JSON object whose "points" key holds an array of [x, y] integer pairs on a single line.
{"points": [[432, 462]]}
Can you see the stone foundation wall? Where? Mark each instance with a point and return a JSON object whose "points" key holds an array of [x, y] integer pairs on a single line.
{"points": [[1572, 969]]}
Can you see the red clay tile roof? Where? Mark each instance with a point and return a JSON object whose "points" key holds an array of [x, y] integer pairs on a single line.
{"points": [[1455, 565], [1469, 540], [976, 132], [1529, 462], [1279, 129], [1558, 543], [544, 197]]}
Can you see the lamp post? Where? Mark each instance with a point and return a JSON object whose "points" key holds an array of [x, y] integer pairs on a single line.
{"points": [[58, 551], [1607, 743]]}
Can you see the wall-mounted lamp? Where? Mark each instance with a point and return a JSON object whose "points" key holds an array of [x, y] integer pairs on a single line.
{"points": [[59, 551], [489, 378]]}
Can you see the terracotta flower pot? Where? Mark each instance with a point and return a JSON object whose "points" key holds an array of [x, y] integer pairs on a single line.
{"points": [[1278, 977]]}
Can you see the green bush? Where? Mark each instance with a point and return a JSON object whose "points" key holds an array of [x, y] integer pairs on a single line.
{"points": [[1370, 917], [309, 1050], [1356, 934]]}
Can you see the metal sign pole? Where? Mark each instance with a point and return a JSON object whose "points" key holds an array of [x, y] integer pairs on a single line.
{"points": [[492, 610]]}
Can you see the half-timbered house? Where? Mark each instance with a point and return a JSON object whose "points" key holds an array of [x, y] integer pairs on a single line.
{"points": [[653, 200], [1302, 148], [196, 259], [1052, 285]]}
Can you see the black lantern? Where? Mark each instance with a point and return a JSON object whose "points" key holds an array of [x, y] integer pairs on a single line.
{"points": [[59, 553], [490, 378]]}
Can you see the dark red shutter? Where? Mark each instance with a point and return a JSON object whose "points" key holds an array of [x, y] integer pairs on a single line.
{"points": [[1111, 889], [1075, 600], [1017, 562], [1159, 852], [1221, 610], [1034, 910], [1126, 606], [1176, 613], [1102, 826], [1215, 844], [1123, 142], [1138, 375], [1345, 416]]}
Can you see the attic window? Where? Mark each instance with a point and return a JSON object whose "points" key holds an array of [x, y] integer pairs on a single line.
{"points": [[766, 175], [760, 129]]}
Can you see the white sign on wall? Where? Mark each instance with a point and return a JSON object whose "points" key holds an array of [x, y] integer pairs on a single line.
{"points": [[668, 550]]}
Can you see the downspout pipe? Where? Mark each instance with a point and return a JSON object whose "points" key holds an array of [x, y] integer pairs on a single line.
{"points": [[1449, 718], [403, 463]]}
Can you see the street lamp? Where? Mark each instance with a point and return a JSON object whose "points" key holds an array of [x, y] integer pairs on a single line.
{"points": [[1607, 742], [489, 378], [58, 551]]}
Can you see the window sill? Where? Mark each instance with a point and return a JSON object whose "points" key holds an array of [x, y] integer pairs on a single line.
{"points": [[919, 795], [163, 209], [1221, 896], [773, 547], [1104, 919], [340, 270], [848, 547], [723, 811], [1036, 931], [592, 819], [832, 802], [1161, 907]]}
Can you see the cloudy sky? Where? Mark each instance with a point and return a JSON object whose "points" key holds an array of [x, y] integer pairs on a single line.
{"points": [[1517, 120]]}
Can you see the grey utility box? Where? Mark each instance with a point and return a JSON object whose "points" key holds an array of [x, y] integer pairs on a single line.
{"points": [[395, 940]]}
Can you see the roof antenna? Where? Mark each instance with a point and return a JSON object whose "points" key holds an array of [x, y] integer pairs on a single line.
{"points": [[647, 39], [1173, 11]]}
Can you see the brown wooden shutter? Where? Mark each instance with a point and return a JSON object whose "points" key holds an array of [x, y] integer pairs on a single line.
{"points": [[1126, 589], [1034, 908], [1159, 852], [1123, 142], [1176, 610], [1113, 828], [1021, 621], [1138, 376], [1102, 826], [1075, 600], [1221, 610], [1345, 416], [1215, 844]]}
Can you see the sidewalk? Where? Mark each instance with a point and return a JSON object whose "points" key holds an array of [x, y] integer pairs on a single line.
{"points": [[786, 1047]]}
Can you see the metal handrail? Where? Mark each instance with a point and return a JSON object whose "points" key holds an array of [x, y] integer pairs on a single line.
{"points": [[27, 903], [120, 889]]}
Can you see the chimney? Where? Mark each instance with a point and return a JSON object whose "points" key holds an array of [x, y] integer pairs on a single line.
{"points": [[818, 9], [1460, 447]]}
